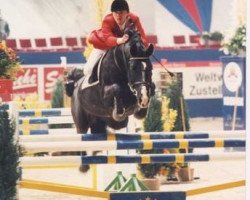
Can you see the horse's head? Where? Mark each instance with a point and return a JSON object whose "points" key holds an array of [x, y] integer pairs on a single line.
{"points": [[139, 68]]}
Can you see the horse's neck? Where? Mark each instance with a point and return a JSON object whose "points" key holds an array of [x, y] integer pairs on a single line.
{"points": [[113, 67], [120, 57]]}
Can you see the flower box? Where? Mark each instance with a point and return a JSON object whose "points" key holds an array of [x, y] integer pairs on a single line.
{"points": [[6, 89]]}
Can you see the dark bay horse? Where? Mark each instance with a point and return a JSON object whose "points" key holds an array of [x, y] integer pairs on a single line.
{"points": [[121, 85]]}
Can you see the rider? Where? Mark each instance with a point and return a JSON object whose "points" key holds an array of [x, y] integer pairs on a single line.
{"points": [[112, 33]]}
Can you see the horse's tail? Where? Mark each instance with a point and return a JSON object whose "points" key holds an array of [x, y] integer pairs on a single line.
{"points": [[73, 76]]}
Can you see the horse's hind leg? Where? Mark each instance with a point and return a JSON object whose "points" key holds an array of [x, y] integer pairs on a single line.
{"points": [[98, 126], [82, 126], [81, 120], [80, 116]]}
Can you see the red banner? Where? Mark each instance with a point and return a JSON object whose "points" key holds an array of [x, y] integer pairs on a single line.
{"points": [[26, 81], [6, 89], [51, 76]]}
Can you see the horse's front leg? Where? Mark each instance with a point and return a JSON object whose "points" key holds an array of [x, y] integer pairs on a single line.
{"points": [[112, 93]]}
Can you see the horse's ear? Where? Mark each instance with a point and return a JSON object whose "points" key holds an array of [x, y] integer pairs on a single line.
{"points": [[133, 50], [150, 50]]}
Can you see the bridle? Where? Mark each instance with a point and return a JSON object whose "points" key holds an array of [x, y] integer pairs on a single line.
{"points": [[143, 81], [133, 85]]}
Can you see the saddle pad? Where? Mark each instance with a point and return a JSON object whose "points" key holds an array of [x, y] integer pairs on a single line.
{"points": [[85, 82], [88, 80]]}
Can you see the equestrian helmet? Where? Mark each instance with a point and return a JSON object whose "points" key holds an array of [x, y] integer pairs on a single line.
{"points": [[119, 5]]}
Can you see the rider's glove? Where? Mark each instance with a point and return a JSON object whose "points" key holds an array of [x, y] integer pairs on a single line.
{"points": [[122, 39]]}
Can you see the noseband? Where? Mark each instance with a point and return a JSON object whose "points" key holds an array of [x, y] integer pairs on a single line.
{"points": [[143, 82]]}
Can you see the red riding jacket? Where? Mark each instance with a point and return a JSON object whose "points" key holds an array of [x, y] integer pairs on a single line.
{"points": [[105, 38]]}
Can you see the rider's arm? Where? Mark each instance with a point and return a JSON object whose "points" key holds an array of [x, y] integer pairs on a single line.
{"points": [[108, 36]]}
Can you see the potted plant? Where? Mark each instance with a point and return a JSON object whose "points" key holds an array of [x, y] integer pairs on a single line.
{"points": [[236, 45], [213, 38], [9, 67], [9, 156], [216, 37], [9, 63], [151, 123], [205, 36], [175, 102]]}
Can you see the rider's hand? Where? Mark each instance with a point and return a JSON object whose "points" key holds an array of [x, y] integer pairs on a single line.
{"points": [[122, 39]]}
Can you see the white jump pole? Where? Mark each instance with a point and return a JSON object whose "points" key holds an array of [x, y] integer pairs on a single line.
{"points": [[81, 137], [146, 158]]}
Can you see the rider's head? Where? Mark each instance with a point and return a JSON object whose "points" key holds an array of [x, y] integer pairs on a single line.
{"points": [[120, 10]]}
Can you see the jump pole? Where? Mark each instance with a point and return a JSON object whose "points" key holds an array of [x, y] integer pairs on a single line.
{"points": [[214, 188], [61, 188], [47, 132], [44, 112], [35, 147], [45, 136], [45, 120], [141, 159], [76, 190]]}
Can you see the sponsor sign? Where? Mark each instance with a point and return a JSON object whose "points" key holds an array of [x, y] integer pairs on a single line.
{"points": [[234, 94], [26, 82], [201, 80], [37, 80], [51, 76], [6, 90], [202, 83]]}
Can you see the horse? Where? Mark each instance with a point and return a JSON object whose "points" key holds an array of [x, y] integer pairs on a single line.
{"points": [[119, 86]]}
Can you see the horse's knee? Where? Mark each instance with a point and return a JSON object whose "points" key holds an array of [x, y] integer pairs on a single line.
{"points": [[140, 114]]}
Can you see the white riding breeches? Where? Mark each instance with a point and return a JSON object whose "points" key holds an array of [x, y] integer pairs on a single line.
{"points": [[95, 55]]}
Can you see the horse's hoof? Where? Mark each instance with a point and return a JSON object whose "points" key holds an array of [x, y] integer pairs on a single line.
{"points": [[84, 168], [119, 117]]}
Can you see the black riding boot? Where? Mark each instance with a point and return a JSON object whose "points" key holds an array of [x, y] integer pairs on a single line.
{"points": [[73, 76], [69, 88]]}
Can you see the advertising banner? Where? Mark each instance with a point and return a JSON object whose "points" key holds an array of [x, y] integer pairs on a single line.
{"points": [[36, 81], [51, 76], [26, 82], [6, 90], [234, 101]]}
